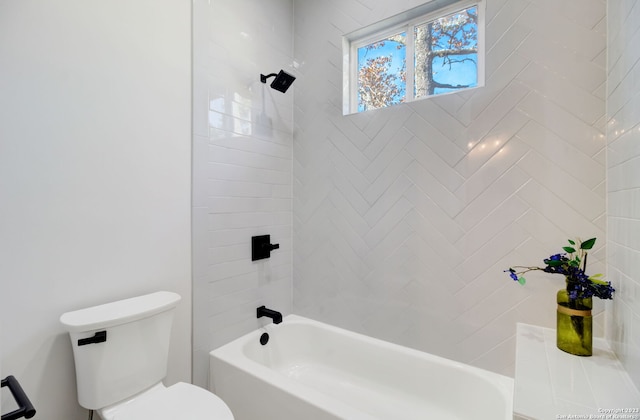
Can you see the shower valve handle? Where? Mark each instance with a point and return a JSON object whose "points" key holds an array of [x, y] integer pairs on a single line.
{"points": [[261, 247]]}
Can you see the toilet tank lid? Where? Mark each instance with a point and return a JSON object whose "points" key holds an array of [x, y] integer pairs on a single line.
{"points": [[119, 312]]}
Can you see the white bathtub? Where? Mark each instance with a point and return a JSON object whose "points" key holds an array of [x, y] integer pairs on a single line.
{"points": [[312, 371]]}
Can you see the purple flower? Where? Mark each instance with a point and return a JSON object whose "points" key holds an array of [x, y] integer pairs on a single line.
{"points": [[512, 274], [572, 267]]}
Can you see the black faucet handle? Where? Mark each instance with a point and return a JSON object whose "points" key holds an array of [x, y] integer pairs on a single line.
{"points": [[261, 247]]}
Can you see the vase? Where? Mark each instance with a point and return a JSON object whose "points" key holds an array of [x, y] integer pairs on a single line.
{"points": [[574, 324]]}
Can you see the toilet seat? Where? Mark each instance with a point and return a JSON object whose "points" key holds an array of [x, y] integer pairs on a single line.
{"points": [[180, 401]]}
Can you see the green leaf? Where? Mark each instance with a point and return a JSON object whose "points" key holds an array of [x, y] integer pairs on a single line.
{"points": [[571, 242], [588, 244], [596, 281], [574, 263], [522, 281], [597, 275], [569, 249], [553, 263]]}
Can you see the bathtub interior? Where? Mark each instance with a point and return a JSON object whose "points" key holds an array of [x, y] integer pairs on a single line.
{"points": [[339, 363]]}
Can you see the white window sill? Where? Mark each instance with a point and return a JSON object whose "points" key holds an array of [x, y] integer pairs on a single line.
{"points": [[551, 384]]}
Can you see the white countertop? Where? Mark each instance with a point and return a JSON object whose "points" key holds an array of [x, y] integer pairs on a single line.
{"points": [[551, 384]]}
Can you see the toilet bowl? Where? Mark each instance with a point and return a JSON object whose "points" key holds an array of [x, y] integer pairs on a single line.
{"points": [[121, 352], [180, 401]]}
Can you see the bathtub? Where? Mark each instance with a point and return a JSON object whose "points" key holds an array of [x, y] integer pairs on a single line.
{"points": [[313, 371]]}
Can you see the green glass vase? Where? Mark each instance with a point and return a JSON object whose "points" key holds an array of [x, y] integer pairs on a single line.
{"points": [[574, 325]]}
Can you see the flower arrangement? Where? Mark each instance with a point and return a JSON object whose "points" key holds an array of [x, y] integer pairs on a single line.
{"points": [[579, 284]]}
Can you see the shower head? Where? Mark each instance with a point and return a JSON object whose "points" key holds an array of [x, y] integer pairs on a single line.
{"points": [[281, 82]]}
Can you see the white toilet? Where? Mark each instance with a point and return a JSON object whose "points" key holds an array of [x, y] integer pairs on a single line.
{"points": [[121, 352]]}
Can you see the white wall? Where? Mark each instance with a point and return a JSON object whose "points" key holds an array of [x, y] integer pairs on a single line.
{"points": [[405, 217], [242, 157], [623, 171], [94, 176]]}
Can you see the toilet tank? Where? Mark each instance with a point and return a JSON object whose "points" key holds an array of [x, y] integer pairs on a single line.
{"points": [[120, 348]]}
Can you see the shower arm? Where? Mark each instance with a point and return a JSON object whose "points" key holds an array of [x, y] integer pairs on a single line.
{"points": [[264, 78]]}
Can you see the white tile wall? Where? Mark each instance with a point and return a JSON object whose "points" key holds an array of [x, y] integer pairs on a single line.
{"points": [[242, 159], [623, 171], [404, 218]]}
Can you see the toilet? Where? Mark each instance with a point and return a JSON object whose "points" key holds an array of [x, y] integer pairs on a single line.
{"points": [[121, 351]]}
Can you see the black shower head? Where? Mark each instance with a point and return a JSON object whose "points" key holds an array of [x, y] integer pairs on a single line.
{"points": [[281, 82]]}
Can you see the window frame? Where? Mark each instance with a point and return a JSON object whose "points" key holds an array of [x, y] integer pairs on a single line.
{"points": [[405, 22]]}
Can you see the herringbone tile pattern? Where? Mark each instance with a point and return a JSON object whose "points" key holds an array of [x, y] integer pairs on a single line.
{"points": [[405, 217]]}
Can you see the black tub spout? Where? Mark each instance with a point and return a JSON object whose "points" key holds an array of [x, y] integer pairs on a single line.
{"points": [[275, 315]]}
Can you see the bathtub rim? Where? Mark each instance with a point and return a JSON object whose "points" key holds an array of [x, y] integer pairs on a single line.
{"points": [[227, 353]]}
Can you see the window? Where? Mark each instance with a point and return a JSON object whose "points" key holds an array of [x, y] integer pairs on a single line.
{"points": [[428, 53]]}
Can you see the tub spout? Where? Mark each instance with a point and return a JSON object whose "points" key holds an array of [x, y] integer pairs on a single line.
{"points": [[275, 315]]}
